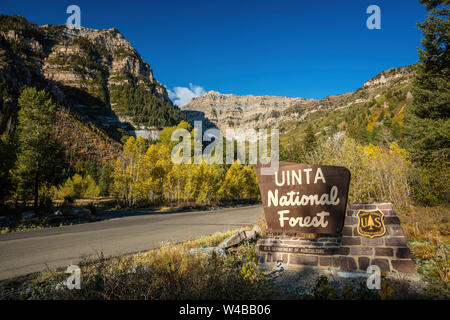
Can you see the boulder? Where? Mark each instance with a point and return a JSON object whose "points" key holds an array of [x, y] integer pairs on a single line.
{"points": [[257, 229], [250, 235], [28, 214], [57, 213], [234, 240], [209, 251]]}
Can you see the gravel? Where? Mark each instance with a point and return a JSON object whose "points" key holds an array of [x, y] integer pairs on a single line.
{"points": [[294, 284]]}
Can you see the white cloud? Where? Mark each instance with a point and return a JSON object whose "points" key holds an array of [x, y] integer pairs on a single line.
{"points": [[182, 96]]}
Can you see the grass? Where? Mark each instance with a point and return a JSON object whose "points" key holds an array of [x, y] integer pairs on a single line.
{"points": [[169, 272], [164, 209], [428, 233], [101, 201]]}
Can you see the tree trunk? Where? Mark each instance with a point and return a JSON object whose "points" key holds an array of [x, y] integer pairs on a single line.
{"points": [[36, 186]]}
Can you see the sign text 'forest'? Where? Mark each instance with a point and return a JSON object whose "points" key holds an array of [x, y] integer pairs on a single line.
{"points": [[304, 198]]}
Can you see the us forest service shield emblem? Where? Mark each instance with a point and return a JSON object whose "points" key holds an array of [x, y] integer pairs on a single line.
{"points": [[371, 223]]}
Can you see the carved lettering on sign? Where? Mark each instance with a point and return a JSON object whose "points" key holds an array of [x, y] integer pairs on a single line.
{"points": [[304, 250], [304, 198]]}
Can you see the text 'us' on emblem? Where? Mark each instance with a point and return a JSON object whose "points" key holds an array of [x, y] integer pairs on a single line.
{"points": [[371, 223]]}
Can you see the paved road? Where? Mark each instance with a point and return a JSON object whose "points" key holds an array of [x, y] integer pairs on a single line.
{"points": [[23, 253]]}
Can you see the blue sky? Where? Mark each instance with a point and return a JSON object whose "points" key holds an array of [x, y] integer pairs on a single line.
{"points": [[297, 48]]}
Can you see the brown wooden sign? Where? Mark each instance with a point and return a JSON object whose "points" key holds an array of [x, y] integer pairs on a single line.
{"points": [[304, 198]]}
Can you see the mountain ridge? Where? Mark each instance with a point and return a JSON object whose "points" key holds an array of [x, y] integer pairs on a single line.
{"points": [[96, 69], [103, 89], [226, 111]]}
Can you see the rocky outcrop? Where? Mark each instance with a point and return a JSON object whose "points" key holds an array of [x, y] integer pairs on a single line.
{"points": [[252, 112], [98, 71], [244, 112], [388, 76], [114, 55]]}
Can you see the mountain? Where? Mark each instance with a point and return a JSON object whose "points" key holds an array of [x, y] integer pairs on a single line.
{"points": [[374, 113], [245, 112], [95, 72], [104, 87], [379, 101], [104, 90]]}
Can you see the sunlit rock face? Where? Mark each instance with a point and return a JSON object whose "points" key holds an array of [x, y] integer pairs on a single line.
{"points": [[229, 111], [244, 112], [98, 72]]}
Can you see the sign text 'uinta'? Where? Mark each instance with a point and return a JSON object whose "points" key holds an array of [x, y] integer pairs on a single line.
{"points": [[304, 198]]}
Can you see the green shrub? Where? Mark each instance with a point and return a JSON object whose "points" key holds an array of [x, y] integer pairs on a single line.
{"points": [[78, 187]]}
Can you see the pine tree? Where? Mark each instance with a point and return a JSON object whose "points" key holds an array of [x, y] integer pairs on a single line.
{"points": [[309, 143], [291, 151], [39, 159], [7, 160], [428, 118], [427, 127], [105, 179], [431, 88]]}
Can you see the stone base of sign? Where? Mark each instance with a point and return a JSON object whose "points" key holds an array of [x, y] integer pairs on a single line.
{"points": [[347, 252]]}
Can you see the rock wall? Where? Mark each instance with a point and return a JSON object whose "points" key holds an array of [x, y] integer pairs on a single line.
{"points": [[251, 112], [98, 72], [243, 112], [348, 252]]}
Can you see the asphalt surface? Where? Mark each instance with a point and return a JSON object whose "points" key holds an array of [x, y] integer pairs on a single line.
{"points": [[22, 253]]}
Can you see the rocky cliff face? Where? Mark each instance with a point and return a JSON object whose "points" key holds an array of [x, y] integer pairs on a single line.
{"points": [[99, 51], [387, 77], [252, 112], [244, 112], [97, 72]]}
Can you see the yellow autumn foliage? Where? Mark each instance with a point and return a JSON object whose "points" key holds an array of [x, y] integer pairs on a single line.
{"points": [[377, 173], [147, 175]]}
